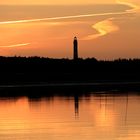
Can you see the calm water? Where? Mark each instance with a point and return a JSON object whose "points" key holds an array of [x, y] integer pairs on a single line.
{"points": [[94, 116]]}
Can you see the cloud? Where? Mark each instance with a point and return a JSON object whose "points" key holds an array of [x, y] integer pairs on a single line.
{"points": [[133, 8], [107, 26], [16, 45], [103, 28]]}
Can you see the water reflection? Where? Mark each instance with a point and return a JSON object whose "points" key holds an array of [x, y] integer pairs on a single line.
{"points": [[88, 116], [76, 105], [126, 109]]}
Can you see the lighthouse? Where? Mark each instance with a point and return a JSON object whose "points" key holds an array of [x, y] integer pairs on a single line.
{"points": [[75, 48]]}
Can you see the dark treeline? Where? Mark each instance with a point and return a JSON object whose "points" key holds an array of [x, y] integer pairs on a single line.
{"points": [[21, 70]]}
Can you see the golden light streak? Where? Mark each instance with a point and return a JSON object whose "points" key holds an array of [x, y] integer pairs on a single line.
{"points": [[103, 28], [59, 18], [16, 45]]}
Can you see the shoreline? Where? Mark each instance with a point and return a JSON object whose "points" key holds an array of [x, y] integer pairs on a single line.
{"points": [[70, 84], [69, 89], [74, 86]]}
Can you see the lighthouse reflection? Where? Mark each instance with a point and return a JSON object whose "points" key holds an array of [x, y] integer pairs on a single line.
{"points": [[105, 115], [76, 105]]}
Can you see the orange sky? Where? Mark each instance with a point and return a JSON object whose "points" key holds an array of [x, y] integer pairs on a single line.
{"points": [[55, 2], [63, 2], [105, 31]]}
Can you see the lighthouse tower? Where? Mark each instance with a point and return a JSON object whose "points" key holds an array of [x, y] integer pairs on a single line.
{"points": [[75, 48]]}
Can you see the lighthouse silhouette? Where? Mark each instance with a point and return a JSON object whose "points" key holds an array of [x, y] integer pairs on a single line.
{"points": [[75, 48]]}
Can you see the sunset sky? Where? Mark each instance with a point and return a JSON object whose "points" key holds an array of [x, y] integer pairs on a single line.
{"points": [[62, 2], [107, 29]]}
